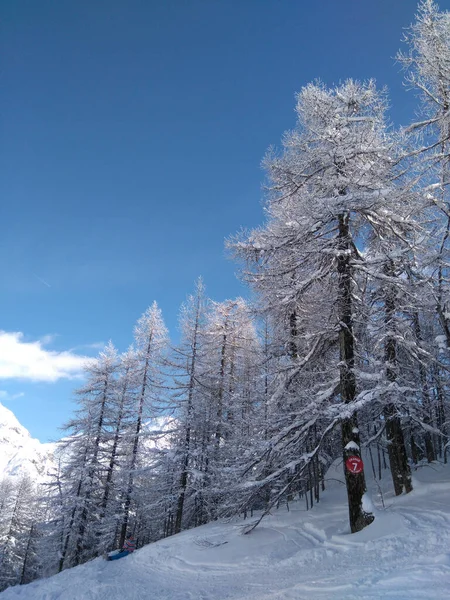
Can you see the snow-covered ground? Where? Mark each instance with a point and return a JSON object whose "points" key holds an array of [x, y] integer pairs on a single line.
{"points": [[291, 555]]}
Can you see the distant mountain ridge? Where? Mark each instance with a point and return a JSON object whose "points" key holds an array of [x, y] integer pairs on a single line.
{"points": [[20, 454]]}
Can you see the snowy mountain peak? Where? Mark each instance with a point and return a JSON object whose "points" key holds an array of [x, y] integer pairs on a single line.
{"points": [[9, 423], [21, 454]]}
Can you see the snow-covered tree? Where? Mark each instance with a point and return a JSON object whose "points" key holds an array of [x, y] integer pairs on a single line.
{"points": [[427, 65], [233, 398], [188, 362], [83, 472], [18, 518], [331, 190], [150, 344]]}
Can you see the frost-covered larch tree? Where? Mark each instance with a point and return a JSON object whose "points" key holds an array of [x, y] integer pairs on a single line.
{"points": [[188, 362], [330, 189], [427, 66], [150, 344], [391, 353], [122, 406], [19, 517], [84, 466], [229, 397]]}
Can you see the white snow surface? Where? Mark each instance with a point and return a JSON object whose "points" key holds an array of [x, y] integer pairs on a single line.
{"points": [[291, 555], [21, 454]]}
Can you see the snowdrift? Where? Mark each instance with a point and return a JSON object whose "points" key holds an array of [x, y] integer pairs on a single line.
{"points": [[293, 554]]}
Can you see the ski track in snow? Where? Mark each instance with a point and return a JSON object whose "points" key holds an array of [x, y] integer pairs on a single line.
{"points": [[291, 555]]}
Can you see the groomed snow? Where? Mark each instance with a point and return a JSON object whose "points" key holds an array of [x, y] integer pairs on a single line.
{"points": [[292, 555]]}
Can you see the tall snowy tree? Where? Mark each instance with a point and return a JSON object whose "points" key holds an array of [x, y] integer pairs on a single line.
{"points": [[330, 190], [427, 65], [122, 407], [18, 519], [150, 343], [84, 470], [188, 359]]}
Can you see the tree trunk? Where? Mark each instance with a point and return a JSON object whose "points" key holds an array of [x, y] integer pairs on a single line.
{"points": [[429, 449], [127, 507], [355, 482], [398, 459], [65, 548], [27, 553], [87, 497], [114, 450], [187, 439]]}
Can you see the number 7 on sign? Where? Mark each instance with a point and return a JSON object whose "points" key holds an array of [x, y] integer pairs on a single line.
{"points": [[354, 464]]}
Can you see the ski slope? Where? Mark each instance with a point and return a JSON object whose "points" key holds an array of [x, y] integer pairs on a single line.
{"points": [[291, 555]]}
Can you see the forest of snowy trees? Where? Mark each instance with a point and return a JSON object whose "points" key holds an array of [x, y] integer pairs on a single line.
{"points": [[343, 351]]}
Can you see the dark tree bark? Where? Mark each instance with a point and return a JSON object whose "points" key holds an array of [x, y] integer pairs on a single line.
{"points": [[355, 482], [429, 448], [293, 350], [137, 433], [93, 461], [398, 459], [65, 548], [23, 575], [187, 438], [114, 451]]}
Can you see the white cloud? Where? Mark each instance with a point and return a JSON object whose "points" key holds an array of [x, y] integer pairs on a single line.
{"points": [[30, 360]]}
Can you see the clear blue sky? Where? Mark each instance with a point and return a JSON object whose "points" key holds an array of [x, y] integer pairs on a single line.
{"points": [[131, 138]]}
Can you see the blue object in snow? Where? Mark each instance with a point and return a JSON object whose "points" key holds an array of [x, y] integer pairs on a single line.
{"points": [[119, 555]]}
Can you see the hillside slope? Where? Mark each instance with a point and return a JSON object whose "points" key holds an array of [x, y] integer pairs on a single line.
{"points": [[21, 454], [292, 555]]}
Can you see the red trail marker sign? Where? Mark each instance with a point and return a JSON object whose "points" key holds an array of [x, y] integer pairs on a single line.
{"points": [[354, 464]]}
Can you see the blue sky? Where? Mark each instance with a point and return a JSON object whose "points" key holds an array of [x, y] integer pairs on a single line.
{"points": [[131, 139]]}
